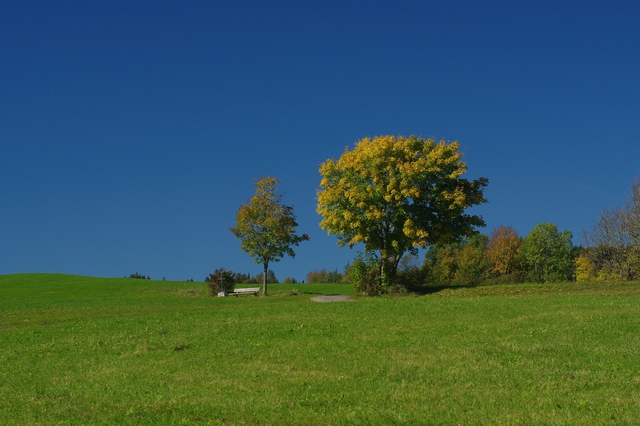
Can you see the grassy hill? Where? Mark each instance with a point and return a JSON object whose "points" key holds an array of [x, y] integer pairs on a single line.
{"points": [[81, 350]]}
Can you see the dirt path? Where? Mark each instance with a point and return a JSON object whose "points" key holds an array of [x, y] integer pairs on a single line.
{"points": [[337, 298]]}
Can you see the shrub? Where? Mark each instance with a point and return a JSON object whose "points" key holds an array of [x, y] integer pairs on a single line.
{"points": [[221, 280], [139, 276], [585, 269], [317, 276], [364, 275], [324, 276]]}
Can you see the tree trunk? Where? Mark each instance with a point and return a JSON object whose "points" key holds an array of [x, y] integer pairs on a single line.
{"points": [[388, 267], [264, 278]]}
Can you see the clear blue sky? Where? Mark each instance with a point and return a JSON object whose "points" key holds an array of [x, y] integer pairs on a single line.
{"points": [[131, 132]]}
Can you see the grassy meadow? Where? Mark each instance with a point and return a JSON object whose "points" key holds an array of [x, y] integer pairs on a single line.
{"points": [[81, 350]]}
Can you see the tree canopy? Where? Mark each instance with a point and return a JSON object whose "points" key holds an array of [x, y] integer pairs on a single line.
{"points": [[613, 242], [398, 194], [548, 254], [266, 227], [502, 250]]}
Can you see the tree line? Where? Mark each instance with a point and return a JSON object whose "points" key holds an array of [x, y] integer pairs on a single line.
{"points": [[612, 244], [397, 195], [544, 255]]}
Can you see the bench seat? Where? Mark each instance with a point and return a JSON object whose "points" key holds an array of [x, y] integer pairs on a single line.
{"points": [[246, 291]]}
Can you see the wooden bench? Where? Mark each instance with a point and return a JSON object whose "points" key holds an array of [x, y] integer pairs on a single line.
{"points": [[246, 291]]}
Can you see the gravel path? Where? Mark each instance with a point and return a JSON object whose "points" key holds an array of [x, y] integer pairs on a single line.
{"points": [[338, 298]]}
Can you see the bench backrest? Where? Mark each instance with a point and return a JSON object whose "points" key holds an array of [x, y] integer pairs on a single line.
{"points": [[247, 290]]}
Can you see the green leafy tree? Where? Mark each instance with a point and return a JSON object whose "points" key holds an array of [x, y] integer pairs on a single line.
{"points": [[459, 263], [333, 276], [266, 227], [441, 263], [324, 276], [548, 255], [396, 195], [473, 264]]}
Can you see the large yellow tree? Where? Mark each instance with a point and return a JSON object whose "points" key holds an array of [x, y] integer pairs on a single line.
{"points": [[398, 194]]}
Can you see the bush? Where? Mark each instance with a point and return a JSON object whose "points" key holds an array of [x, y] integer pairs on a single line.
{"points": [[364, 275], [324, 276], [139, 276], [221, 280], [413, 279], [548, 255]]}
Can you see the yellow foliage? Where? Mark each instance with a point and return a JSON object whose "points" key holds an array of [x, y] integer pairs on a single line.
{"points": [[265, 226], [585, 270], [394, 193], [502, 249]]}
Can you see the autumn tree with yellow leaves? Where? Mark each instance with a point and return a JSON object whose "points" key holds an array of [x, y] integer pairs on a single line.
{"points": [[266, 227], [396, 195], [502, 250]]}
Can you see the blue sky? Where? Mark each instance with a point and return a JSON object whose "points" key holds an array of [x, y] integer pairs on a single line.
{"points": [[131, 132]]}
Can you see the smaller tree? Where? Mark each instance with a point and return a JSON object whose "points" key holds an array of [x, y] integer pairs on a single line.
{"points": [[333, 277], [458, 263], [364, 274], [613, 242], [473, 265], [266, 227], [585, 269], [502, 251], [316, 276], [324, 276], [441, 263], [221, 280], [548, 255]]}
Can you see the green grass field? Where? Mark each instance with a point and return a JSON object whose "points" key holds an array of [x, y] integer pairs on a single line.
{"points": [[80, 350]]}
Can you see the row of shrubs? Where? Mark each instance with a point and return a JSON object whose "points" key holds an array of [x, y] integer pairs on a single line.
{"points": [[545, 255]]}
